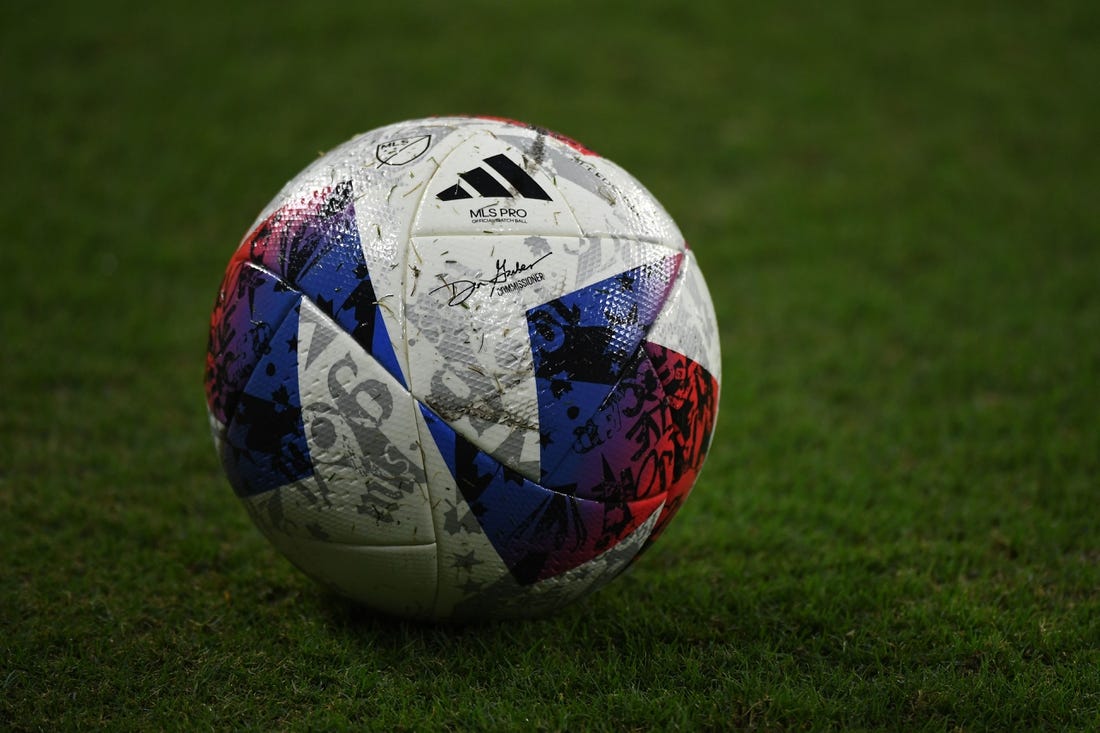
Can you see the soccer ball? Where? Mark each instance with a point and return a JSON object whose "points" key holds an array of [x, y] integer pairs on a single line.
{"points": [[462, 368]]}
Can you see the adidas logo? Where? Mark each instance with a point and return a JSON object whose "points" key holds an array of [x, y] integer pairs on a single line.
{"points": [[487, 185]]}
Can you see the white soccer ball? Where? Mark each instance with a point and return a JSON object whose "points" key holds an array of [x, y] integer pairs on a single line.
{"points": [[462, 368]]}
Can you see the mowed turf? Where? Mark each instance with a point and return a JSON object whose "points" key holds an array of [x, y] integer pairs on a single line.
{"points": [[896, 211]]}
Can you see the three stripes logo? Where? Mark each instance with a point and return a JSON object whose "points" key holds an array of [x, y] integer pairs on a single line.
{"points": [[487, 185]]}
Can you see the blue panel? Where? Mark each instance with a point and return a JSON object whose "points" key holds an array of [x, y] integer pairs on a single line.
{"points": [[252, 305], [266, 440], [564, 415], [582, 344], [538, 532]]}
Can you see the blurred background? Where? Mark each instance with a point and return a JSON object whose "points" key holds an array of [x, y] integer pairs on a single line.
{"points": [[896, 212]]}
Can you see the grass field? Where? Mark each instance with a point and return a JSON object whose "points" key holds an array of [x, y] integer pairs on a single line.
{"points": [[898, 526]]}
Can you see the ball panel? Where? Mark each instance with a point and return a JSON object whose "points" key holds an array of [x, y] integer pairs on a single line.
{"points": [[582, 344], [468, 563], [631, 209], [687, 324], [590, 195], [691, 410], [649, 436], [251, 304], [264, 442], [485, 184], [506, 598], [538, 532], [604, 199], [618, 451], [469, 359], [398, 580], [368, 485]]}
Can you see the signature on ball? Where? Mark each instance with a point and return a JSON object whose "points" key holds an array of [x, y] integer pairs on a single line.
{"points": [[506, 280]]}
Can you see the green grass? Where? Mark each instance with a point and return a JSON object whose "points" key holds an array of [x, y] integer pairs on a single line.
{"points": [[896, 211]]}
